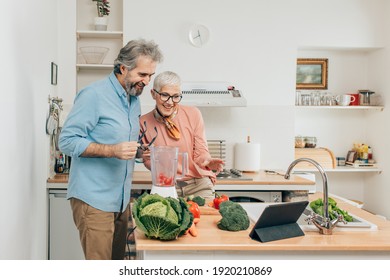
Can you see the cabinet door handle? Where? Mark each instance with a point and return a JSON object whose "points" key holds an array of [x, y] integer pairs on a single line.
{"points": [[59, 195]]}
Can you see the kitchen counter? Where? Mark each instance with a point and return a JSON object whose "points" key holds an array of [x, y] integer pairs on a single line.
{"points": [[212, 243], [260, 181]]}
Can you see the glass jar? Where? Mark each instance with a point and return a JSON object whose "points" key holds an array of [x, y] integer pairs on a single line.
{"points": [[298, 98], [340, 161], [305, 99], [300, 142], [310, 142], [316, 98]]}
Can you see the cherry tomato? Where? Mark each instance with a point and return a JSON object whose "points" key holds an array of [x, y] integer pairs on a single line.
{"points": [[168, 181], [219, 199], [164, 180]]}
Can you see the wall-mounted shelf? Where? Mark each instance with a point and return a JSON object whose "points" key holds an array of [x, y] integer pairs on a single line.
{"points": [[375, 108], [344, 169], [338, 48], [94, 66], [99, 34]]}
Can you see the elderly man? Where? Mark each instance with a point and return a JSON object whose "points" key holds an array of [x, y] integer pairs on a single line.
{"points": [[100, 134]]}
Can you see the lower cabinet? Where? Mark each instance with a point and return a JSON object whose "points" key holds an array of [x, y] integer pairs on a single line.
{"points": [[63, 236]]}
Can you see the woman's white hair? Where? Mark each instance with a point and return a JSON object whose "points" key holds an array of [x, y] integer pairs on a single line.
{"points": [[166, 78]]}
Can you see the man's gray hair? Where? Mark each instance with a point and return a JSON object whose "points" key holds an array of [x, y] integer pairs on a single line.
{"points": [[130, 53], [166, 78]]}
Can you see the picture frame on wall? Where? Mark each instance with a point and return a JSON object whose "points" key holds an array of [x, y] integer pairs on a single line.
{"points": [[312, 73], [54, 73]]}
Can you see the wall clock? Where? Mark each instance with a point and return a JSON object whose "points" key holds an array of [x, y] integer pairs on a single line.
{"points": [[199, 35]]}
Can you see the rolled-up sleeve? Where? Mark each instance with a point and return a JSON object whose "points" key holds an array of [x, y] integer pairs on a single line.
{"points": [[74, 136]]}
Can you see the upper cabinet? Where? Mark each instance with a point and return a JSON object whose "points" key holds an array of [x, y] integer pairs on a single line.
{"points": [[96, 48]]}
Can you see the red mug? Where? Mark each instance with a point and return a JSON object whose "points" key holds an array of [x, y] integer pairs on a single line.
{"points": [[355, 102]]}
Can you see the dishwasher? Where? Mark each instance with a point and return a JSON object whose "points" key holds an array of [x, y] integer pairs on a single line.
{"points": [[63, 236]]}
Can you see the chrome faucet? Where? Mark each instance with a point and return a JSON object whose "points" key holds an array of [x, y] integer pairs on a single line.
{"points": [[323, 223]]}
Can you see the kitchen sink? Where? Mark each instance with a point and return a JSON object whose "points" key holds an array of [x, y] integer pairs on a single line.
{"points": [[254, 211], [358, 224]]}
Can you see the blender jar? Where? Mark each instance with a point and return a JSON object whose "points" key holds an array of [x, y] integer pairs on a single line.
{"points": [[164, 165]]}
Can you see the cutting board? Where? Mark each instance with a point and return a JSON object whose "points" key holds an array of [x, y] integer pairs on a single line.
{"points": [[323, 156], [207, 210]]}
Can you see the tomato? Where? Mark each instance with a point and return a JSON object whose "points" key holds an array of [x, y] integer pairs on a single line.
{"points": [[168, 181], [164, 180], [194, 208], [161, 178], [219, 199]]}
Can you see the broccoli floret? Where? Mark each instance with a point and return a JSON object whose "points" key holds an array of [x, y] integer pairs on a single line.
{"points": [[234, 217], [199, 200]]}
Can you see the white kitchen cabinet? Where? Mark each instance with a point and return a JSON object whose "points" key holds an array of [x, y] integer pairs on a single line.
{"points": [[64, 241], [87, 36]]}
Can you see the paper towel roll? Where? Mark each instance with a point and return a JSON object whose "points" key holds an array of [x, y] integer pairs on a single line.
{"points": [[247, 157]]}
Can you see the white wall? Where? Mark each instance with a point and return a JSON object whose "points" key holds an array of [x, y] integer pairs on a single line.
{"points": [[254, 45], [29, 44], [377, 191]]}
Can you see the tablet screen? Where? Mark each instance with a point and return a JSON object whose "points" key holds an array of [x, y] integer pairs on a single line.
{"points": [[281, 213]]}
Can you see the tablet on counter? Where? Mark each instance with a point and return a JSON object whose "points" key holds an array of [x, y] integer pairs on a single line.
{"points": [[279, 221]]}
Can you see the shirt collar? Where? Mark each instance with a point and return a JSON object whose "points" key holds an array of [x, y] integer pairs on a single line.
{"points": [[118, 87]]}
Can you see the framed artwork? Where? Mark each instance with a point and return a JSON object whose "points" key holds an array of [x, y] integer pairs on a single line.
{"points": [[351, 157], [54, 70], [312, 73]]}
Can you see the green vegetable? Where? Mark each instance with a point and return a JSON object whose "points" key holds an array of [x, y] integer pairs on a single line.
{"points": [[197, 199], [234, 217], [318, 207], [162, 218]]}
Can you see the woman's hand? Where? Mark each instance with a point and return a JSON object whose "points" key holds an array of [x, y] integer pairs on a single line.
{"points": [[215, 164], [146, 154]]}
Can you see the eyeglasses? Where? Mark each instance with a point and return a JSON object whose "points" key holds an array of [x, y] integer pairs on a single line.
{"points": [[165, 97], [142, 135]]}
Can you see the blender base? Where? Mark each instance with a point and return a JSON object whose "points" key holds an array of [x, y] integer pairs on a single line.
{"points": [[164, 191]]}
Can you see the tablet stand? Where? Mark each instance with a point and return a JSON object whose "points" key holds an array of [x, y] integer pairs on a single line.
{"points": [[279, 221], [272, 233]]}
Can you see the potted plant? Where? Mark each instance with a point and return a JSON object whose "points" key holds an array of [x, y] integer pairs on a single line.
{"points": [[102, 10]]}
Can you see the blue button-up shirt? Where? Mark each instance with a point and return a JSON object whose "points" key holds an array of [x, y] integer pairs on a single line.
{"points": [[101, 113]]}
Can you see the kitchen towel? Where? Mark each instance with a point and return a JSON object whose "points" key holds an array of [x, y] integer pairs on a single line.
{"points": [[247, 157]]}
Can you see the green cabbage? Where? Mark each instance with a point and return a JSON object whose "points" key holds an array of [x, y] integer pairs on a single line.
{"points": [[161, 218]]}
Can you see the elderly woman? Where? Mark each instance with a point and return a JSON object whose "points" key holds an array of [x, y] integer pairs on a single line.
{"points": [[181, 126]]}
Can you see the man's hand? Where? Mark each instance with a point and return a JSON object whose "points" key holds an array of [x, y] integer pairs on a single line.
{"points": [[125, 150]]}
